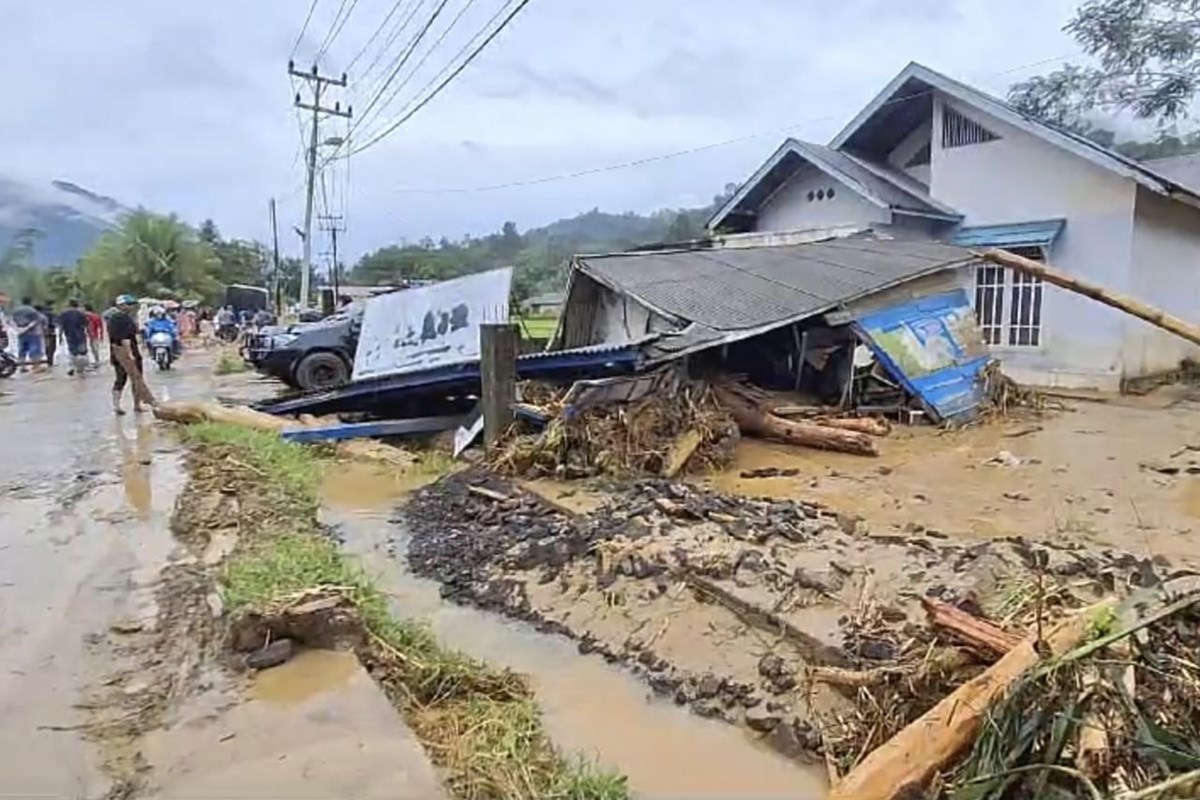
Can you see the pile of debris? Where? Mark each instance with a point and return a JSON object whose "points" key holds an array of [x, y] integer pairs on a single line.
{"points": [[670, 427], [1098, 701]]}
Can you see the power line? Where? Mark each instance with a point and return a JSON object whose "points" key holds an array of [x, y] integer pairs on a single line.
{"points": [[375, 35], [304, 27], [334, 29], [399, 88], [405, 56], [387, 45], [454, 74]]}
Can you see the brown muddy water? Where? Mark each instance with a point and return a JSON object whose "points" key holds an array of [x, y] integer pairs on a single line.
{"points": [[589, 706], [85, 501]]}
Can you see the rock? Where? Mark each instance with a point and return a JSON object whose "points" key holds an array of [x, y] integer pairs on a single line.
{"points": [[771, 666], [884, 470], [785, 740], [1017, 496], [827, 583], [277, 652], [127, 626], [685, 694], [709, 709], [708, 686], [216, 606], [758, 718]]}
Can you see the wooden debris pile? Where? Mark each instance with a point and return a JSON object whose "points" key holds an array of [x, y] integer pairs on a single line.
{"points": [[671, 430], [1053, 700]]}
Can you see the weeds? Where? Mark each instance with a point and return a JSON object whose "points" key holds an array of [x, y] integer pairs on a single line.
{"points": [[481, 726], [229, 363]]}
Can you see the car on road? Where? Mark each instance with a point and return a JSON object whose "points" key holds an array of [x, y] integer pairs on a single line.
{"points": [[309, 355]]}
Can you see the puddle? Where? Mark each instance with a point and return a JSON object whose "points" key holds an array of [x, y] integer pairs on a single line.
{"points": [[307, 675], [589, 706], [355, 486]]}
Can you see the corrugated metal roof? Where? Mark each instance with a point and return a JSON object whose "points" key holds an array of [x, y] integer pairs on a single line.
{"points": [[1019, 234], [1184, 170], [754, 287]]}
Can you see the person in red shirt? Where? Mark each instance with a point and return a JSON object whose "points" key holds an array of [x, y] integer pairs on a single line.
{"points": [[95, 332]]}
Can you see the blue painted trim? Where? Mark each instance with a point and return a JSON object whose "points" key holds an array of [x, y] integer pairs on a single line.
{"points": [[1020, 234], [363, 430]]}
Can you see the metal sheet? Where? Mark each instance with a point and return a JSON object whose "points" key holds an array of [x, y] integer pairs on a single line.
{"points": [[429, 327], [934, 348], [1020, 234]]}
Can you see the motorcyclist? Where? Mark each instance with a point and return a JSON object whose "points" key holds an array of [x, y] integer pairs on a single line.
{"points": [[159, 322]]}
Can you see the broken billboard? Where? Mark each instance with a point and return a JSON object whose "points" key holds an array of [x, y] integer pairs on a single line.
{"points": [[933, 347]]}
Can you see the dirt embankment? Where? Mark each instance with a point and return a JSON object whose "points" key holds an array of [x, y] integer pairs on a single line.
{"points": [[722, 603]]}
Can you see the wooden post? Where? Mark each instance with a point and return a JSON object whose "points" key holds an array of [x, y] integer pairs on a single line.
{"points": [[498, 376], [1100, 294]]}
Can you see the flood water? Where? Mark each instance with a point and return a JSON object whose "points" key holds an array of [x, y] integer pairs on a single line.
{"points": [[589, 706]]}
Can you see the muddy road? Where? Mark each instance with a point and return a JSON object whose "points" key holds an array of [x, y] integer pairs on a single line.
{"points": [[85, 499]]}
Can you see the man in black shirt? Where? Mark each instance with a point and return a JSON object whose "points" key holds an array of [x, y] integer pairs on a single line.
{"points": [[122, 336], [51, 331], [73, 324]]}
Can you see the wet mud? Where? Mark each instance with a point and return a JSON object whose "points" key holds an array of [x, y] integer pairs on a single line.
{"points": [[720, 602]]}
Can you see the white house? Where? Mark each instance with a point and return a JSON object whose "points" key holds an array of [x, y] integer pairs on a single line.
{"points": [[936, 157]]}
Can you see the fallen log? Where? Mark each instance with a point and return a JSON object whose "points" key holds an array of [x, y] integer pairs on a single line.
{"points": [[979, 634], [141, 390], [361, 449], [1122, 302], [908, 760], [867, 425], [754, 418]]}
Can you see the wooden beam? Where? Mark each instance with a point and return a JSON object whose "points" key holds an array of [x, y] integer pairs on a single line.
{"points": [[498, 376], [1122, 302]]}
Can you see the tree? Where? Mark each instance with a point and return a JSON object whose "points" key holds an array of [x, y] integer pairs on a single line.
{"points": [[1149, 63], [150, 255], [683, 228]]}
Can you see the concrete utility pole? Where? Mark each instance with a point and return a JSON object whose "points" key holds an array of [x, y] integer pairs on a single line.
{"points": [[317, 82], [275, 287], [333, 224]]}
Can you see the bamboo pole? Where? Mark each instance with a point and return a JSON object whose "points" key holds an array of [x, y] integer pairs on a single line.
{"points": [[1100, 294]]}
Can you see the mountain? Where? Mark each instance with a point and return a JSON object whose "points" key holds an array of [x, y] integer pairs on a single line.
{"points": [[65, 219]]}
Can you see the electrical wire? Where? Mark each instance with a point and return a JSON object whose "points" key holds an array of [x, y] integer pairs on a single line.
{"points": [[437, 90], [303, 28], [405, 56], [375, 35], [400, 87], [387, 45], [335, 28]]}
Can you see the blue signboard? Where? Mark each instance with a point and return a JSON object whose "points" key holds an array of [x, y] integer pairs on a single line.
{"points": [[934, 348]]}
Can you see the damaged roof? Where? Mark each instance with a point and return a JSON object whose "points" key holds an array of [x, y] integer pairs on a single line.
{"points": [[751, 289], [878, 185]]}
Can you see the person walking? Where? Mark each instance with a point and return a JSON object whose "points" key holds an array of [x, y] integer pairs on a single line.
{"points": [[123, 349], [30, 325], [95, 332], [74, 325], [50, 332]]}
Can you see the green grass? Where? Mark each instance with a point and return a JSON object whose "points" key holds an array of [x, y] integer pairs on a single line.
{"points": [[229, 363], [480, 725], [291, 467], [539, 327]]}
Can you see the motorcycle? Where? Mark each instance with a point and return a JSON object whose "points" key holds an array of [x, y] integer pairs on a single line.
{"points": [[8, 364], [162, 349], [228, 333]]}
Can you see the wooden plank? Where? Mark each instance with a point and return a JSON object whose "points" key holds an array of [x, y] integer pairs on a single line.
{"points": [[681, 450], [980, 634], [498, 376]]}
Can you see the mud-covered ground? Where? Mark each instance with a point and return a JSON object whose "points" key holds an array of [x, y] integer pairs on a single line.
{"points": [[720, 601]]}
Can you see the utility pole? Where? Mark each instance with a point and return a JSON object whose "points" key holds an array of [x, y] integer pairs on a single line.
{"points": [[333, 224], [276, 289], [317, 82]]}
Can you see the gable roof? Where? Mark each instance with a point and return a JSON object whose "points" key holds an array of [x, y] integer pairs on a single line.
{"points": [[877, 185], [1181, 169], [910, 91]]}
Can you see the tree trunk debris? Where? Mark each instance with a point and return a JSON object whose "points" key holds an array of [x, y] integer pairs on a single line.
{"points": [[979, 634], [754, 417], [909, 759]]}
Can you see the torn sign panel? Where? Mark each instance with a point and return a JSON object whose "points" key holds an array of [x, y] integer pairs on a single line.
{"points": [[934, 348], [431, 326]]}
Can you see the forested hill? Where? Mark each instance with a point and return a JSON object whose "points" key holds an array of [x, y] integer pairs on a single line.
{"points": [[538, 254]]}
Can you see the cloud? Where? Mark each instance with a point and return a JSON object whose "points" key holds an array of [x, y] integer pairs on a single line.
{"points": [[187, 107]]}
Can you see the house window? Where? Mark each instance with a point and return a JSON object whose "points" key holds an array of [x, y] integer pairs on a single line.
{"points": [[959, 131], [1008, 304]]}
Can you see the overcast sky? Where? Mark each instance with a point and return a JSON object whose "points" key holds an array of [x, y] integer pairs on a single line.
{"points": [[186, 106]]}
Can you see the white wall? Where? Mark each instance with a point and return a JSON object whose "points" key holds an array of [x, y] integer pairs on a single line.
{"points": [[789, 209], [1166, 274], [1020, 178], [909, 145]]}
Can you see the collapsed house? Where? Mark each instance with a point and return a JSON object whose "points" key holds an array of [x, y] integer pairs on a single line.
{"points": [[867, 321]]}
